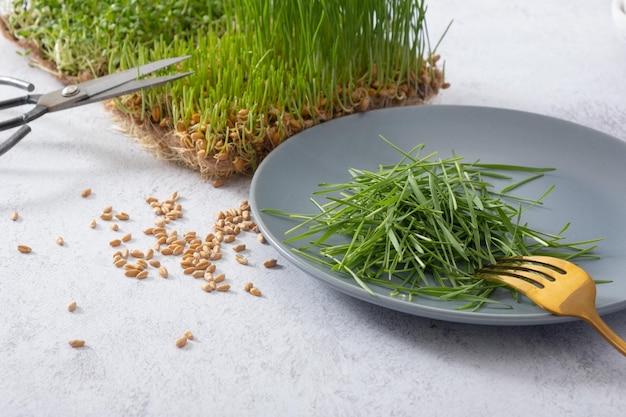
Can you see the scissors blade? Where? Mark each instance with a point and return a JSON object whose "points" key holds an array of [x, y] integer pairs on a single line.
{"points": [[132, 86], [100, 85], [57, 100]]}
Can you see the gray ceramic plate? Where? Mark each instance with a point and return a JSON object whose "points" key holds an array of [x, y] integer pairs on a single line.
{"points": [[590, 182]]}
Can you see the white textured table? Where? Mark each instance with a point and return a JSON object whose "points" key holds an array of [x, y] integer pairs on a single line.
{"points": [[301, 349]]}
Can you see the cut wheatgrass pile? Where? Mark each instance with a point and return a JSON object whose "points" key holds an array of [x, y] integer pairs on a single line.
{"points": [[421, 227], [263, 70]]}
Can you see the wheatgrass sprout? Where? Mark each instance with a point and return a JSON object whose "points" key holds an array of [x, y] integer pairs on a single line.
{"points": [[81, 38], [263, 70], [421, 227]]}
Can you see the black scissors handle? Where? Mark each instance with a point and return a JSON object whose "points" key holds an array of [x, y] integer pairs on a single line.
{"points": [[29, 116], [22, 120], [14, 139], [104, 88]]}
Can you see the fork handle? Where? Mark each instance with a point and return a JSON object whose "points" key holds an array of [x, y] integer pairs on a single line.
{"points": [[593, 318]]}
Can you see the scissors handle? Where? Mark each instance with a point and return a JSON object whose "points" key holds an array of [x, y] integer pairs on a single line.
{"points": [[29, 116], [14, 139], [14, 82], [20, 121]]}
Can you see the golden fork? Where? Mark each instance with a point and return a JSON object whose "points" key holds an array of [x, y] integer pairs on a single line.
{"points": [[556, 285]]}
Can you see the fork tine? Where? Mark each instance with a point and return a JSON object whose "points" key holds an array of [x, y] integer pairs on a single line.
{"points": [[507, 278], [535, 273], [538, 271], [561, 264]]}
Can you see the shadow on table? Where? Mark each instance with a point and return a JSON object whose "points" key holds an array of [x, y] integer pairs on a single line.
{"points": [[574, 345]]}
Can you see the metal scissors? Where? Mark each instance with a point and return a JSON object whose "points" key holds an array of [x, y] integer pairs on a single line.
{"points": [[103, 88]]}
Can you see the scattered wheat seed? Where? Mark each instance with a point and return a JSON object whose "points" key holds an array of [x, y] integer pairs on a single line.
{"points": [[15, 216], [86, 193], [141, 275], [149, 231], [248, 286], [206, 287], [114, 227], [241, 259], [255, 291], [93, 224], [163, 271], [181, 342], [137, 253], [270, 263], [76, 343], [122, 216], [149, 254], [115, 242], [223, 288], [240, 247], [107, 209], [187, 263], [120, 262], [161, 222], [132, 272], [260, 238], [24, 248], [203, 264], [189, 270], [127, 237], [219, 278], [72, 306], [106, 216], [188, 335], [60, 241], [198, 273]]}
